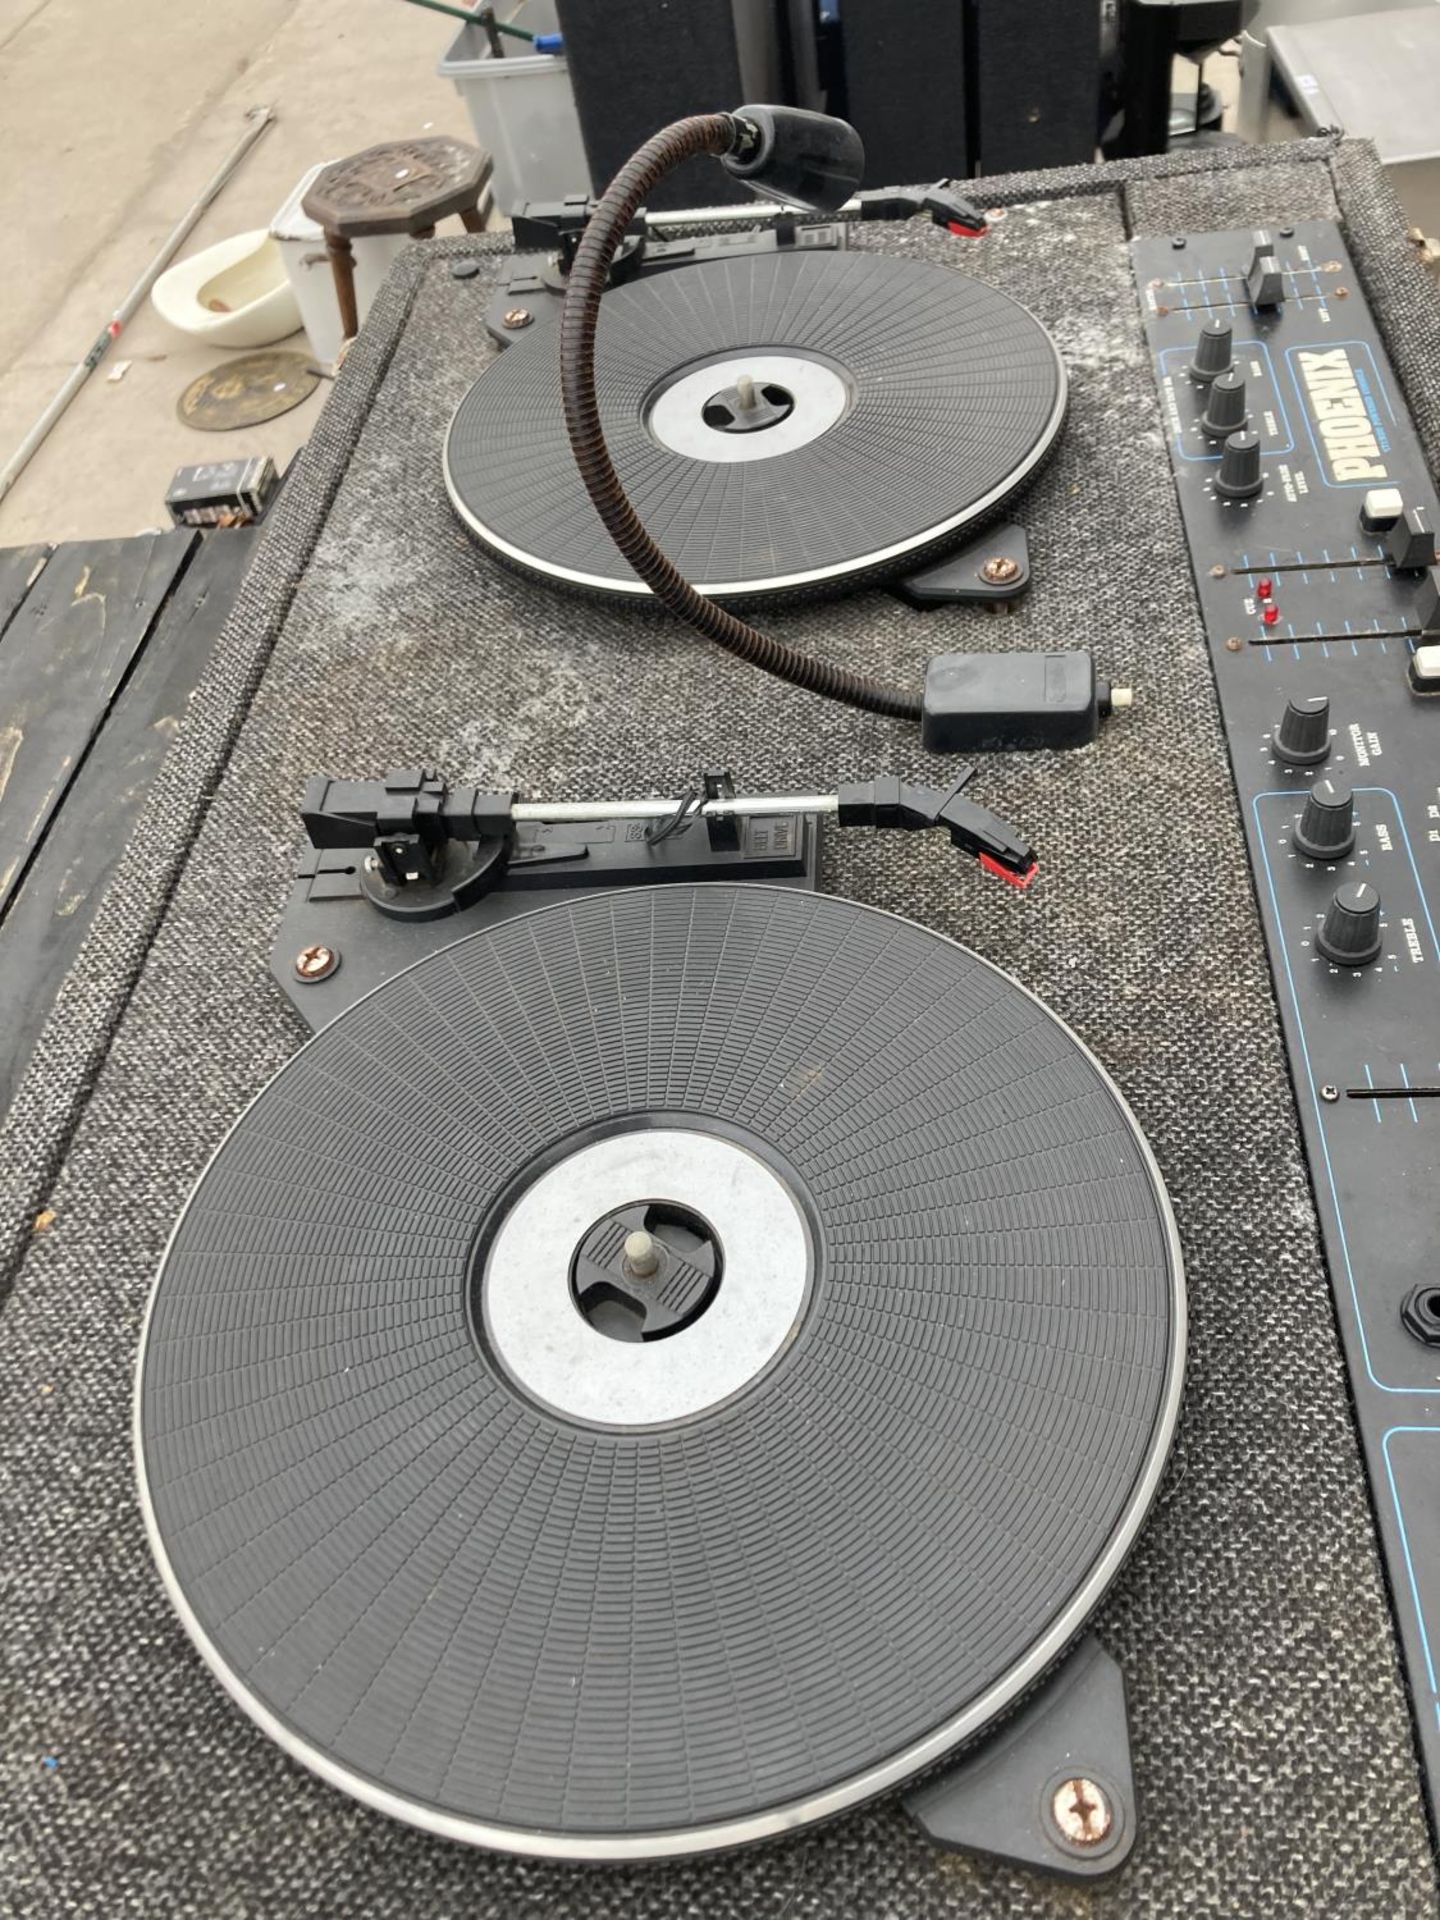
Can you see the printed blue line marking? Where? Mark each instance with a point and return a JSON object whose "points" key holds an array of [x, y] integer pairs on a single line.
{"points": [[1405, 1081], [1405, 1546]]}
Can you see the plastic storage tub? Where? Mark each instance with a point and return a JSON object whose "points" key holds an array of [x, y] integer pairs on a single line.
{"points": [[312, 281], [522, 110]]}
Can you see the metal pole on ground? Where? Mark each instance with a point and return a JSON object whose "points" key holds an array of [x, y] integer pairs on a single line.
{"points": [[259, 119]]}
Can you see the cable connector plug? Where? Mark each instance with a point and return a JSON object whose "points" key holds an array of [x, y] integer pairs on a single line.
{"points": [[892, 802]]}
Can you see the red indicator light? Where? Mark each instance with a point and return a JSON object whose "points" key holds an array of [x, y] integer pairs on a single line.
{"points": [[1270, 614], [1264, 588]]}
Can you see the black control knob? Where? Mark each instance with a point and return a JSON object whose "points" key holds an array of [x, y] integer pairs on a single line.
{"points": [[1410, 546], [1326, 829], [1302, 738], [1212, 350], [1225, 411], [1240, 474], [1350, 932]]}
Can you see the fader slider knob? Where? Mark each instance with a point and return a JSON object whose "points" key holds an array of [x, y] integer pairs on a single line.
{"points": [[1427, 605], [1239, 474], [1225, 411], [1212, 350], [1326, 829], [1264, 282], [1410, 545], [1350, 932], [1302, 738]]}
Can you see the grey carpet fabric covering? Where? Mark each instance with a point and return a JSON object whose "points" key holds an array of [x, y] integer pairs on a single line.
{"points": [[1272, 1745]]}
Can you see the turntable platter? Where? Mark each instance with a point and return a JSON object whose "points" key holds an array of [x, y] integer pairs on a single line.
{"points": [[784, 423], [659, 1371]]}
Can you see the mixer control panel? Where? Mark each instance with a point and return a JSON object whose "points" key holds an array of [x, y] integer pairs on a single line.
{"points": [[1311, 520]]}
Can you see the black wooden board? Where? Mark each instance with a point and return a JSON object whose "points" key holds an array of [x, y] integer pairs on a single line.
{"points": [[63, 659], [20, 568], [53, 907]]}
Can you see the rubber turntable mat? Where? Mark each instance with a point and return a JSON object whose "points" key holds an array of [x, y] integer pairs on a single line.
{"points": [[508, 1617], [1273, 1750], [958, 393]]}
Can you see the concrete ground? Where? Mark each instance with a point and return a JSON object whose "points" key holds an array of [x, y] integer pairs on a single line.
{"points": [[112, 118]]}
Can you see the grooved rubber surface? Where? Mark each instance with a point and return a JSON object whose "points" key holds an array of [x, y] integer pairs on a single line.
{"points": [[531, 1624], [958, 393]]}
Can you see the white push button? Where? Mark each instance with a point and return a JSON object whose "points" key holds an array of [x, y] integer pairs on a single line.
{"points": [[1381, 508]]}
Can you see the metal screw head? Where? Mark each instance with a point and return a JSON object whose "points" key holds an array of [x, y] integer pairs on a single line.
{"points": [[316, 963], [1234, 644], [1000, 569], [1081, 1812], [1217, 572], [1329, 1093], [518, 316], [1342, 293]]}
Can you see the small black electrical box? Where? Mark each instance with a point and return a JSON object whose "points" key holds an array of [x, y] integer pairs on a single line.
{"points": [[221, 493], [998, 702]]}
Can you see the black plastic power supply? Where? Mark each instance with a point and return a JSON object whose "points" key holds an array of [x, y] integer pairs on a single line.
{"points": [[1001, 702]]}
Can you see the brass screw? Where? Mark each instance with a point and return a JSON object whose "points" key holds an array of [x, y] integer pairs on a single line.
{"points": [[1342, 293], [1234, 644], [1000, 570], [1081, 1812], [1217, 572], [316, 963], [518, 316]]}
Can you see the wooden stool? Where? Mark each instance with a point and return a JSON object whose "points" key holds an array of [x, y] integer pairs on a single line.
{"points": [[401, 186]]}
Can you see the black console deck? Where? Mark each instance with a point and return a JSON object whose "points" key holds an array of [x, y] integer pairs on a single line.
{"points": [[1308, 596]]}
